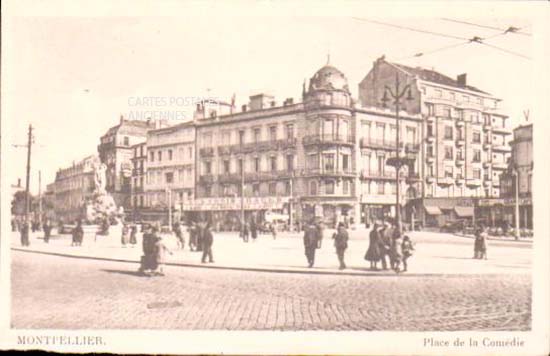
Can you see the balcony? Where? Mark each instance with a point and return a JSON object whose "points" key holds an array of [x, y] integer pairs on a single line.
{"points": [[445, 181], [502, 148], [430, 179], [367, 142], [366, 174], [430, 138], [486, 183], [268, 175], [501, 130], [459, 122], [486, 145], [430, 159], [486, 164], [500, 165], [287, 143], [474, 182], [328, 140], [206, 151], [430, 118], [229, 178], [224, 150], [460, 142], [206, 179], [460, 180], [329, 172], [459, 161], [487, 127], [412, 148]]}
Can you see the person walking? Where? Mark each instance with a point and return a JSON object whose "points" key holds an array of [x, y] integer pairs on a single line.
{"points": [[373, 254], [273, 230], [125, 238], [253, 230], [483, 244], [78, 234], [192, 236], [161, 250], [341, 238], [25, 234], [245, 232], [148, 260], [311, 241], [385, 239], [407, 247], [47, 230], [133, 235], [396, 253], [319, 227], [208, 241], [179, 235]]}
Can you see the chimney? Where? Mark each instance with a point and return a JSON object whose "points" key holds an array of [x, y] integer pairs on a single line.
{"points": [[288, 101], [243, 108], [461, 79], [19, 182], [121, 119]]}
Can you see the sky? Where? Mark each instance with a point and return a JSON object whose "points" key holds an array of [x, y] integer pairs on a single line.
{"points": [[72, 77]]}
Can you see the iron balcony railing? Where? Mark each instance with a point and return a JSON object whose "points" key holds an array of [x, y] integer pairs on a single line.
{"points": [[328, 139]]}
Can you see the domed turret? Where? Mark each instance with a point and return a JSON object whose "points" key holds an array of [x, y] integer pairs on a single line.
{"points": [[328, 78]]}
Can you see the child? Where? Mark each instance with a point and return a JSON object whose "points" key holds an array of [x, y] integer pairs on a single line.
{"points": [[160, 251], [407, 247]]}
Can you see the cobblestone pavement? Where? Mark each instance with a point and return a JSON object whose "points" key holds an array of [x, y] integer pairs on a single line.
{"points": [[69, 293]]}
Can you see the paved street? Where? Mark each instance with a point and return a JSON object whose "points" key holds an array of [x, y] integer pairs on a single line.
{"points": [[62, 292]]}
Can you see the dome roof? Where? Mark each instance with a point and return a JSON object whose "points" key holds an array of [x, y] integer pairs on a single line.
{"points": [[328, 78]]}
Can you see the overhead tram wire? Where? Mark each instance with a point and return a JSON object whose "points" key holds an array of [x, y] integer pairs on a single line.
{"points": [[505, 50], [411, 29], [511, 29], [423, 53]]}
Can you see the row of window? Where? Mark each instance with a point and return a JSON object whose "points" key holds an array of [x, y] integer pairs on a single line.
{"points": [[454, 96], [168, 154], [160, 177], [380, 131], [271, 163], [329, 127], [241, 135], [327, 161]]}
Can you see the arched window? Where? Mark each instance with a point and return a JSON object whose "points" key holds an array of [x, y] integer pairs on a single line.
{"points": [[313, 187]]}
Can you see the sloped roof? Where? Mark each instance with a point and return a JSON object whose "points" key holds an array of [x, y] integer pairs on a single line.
{"points": [[436, 77]]}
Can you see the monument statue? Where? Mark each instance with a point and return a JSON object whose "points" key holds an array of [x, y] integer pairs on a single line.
{"points": [[100, 177]]}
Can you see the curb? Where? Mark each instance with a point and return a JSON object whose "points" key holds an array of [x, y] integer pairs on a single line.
{"points": [[258, 269], [497, 239]]}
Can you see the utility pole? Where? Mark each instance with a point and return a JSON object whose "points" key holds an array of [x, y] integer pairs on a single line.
{"points": [[517, 233], [397, 95], [40, 196], [28, 176], [241, 167]]}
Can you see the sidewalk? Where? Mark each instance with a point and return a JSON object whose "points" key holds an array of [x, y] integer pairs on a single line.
{"points": [[436, 253]]}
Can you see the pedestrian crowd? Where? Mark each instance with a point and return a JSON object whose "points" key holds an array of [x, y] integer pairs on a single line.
{"points": [[389, 247]]}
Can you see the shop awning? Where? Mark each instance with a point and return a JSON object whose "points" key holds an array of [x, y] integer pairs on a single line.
{"points": [[432, 210], [464, 211]]}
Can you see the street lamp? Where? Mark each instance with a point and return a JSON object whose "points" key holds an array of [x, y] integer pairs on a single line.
{"points": [[515, 173], [397, 94]]}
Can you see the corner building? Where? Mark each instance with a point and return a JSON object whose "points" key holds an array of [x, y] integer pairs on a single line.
{"points": [[463, 138]]}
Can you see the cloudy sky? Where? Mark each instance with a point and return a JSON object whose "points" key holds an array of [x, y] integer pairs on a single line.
{"points": [[72, 77]]}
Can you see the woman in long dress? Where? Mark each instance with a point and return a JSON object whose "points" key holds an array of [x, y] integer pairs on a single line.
{"points": [[373, 253]]}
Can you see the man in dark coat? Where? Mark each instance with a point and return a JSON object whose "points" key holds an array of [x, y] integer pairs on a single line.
{"points": [[47, 231], [341, 243], [207, 242], [253, 230], [311, 240], [148, 260], [385, 238], [25, 234]]}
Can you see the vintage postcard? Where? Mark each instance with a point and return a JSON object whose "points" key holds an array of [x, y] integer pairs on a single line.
{"points": [[275, 177]]}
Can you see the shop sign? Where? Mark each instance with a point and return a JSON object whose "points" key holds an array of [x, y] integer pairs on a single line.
{"points": [[234, 203]]}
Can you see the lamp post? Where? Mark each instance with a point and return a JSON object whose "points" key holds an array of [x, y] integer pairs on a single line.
{"points": [[397, 95], [516, 178]]}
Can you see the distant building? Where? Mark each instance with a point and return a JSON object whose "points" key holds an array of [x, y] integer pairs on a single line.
{"points": [[170, 173], [521, 163], [115, 150], [71, 188], [139, 169]]}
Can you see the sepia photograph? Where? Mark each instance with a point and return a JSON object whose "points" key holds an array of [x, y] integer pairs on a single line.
{"points": [[243, 169]]}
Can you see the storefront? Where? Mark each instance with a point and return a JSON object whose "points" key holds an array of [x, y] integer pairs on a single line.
{"points": [[436, 212]]}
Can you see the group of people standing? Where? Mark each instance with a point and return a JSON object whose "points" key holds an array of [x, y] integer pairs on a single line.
{"points": [[387, 245], [129, 235]]}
